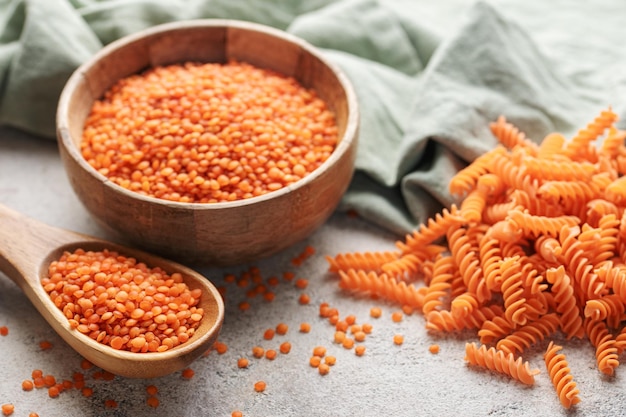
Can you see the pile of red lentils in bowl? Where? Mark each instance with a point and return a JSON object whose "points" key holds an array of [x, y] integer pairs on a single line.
{"points": [[208, 132]]}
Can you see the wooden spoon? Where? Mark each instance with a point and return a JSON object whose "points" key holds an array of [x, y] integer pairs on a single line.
{"points": [[27, 247]]}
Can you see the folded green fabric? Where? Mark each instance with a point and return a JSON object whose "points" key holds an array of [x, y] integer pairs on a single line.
{"points": [[427, 91]]}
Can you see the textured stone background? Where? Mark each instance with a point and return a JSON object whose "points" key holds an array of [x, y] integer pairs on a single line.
{"points": [[403, 380]]}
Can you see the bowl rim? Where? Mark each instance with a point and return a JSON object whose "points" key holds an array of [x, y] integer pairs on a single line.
{"points": [[345, 141]]}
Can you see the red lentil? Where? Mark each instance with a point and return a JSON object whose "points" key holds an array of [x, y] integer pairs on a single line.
{"points": [[305, 327], [319, 351], [359, 336], [398, 339], [315, 361], [301, 283], [152, 390], [152, 402], [33, 415], [347, 343], [288, 275], [324, 310], [260, 386], [37, 373], [258, 352], [376, 312], [330, 360], [8, 409], [323, 369], [339, 336], [434, 348], [45, 345], [396, 316], [408, 310], [53, 392], [350, 319], [269, 334], [27, 385], [341, 326], [39, 382], [244, 305], [242, 362], [188, 373], [87, 392], [359, 350], [273, 281], [4, 330], [49, 380], [282, 328], [110, 403], [270, 354], [269, 296], [367, 328], [220, 347], [120, 302], [285, 347], [236, 414], [236, 132], [304, 299], [85, 364]]}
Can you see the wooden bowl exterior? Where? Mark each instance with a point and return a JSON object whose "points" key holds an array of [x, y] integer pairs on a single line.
{"points": [[221, 233]]}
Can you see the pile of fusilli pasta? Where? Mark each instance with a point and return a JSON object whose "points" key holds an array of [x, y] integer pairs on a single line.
{"points": [[537, 245]]}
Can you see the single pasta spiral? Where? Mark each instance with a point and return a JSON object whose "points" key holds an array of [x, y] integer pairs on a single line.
{"points": [[566, 305], [444, 270], [498, 361], [579, 146], [558, 170], [511, 137], [606, 350], [432, 230], [360, 260], [560, 375], [384, 286], [473, 205], [512, 291]]}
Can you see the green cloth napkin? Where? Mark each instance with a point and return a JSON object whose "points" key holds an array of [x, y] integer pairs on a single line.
{"points": [[429, 77]]}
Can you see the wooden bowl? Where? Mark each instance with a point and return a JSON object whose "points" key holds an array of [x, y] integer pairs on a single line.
{"points": [[217, 234]]}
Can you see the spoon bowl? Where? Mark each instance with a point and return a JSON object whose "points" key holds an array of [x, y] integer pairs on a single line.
{"points": [[27, 247]]}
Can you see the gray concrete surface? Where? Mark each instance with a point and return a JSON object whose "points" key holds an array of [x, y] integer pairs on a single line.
{"points": [[389, 380]]}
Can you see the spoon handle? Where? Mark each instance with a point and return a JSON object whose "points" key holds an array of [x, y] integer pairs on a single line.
{"points": [[25, 243]]}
